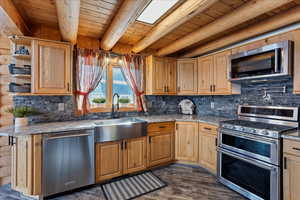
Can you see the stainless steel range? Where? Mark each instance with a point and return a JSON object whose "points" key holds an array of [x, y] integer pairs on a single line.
{"points": [[249, 150]]}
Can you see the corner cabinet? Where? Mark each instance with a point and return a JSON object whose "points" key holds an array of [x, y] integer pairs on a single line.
{"points": [[51, 68], [160, 76], [186, 141], [187, 77], [212, 75]]}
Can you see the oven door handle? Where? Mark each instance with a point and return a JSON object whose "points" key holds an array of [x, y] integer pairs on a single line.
{"points": [[246, 136], [249, 160]]}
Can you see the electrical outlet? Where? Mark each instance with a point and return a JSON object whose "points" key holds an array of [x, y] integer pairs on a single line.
{"points": [[212, 105], [61, 107]]}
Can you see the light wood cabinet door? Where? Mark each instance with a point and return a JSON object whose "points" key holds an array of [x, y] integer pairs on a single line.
{"points": [[205, 75], [170, 65], [160, 148], [291, 177], [187, 77], [221, 84], [208, 151], [108, 160], [135, 155], [51, 68], [26, 169], [159, 76], [186, 141]]}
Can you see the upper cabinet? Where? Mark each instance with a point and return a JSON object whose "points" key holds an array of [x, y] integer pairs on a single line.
{"points": [[160, 76], [44, 66], [212, 75], [51, 68], [187, 76]]}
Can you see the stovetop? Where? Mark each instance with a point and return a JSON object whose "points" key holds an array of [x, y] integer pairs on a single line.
{"points": [[260, 128]]}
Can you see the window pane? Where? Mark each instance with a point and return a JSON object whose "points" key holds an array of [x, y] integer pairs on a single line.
{"points": [[121, 87], [98, 98]]}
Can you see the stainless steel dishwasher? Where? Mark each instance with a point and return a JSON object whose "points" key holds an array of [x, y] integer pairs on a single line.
{"points": [[68, 161]]}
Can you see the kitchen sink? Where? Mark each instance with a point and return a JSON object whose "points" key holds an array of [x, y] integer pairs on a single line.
{"points": [[119, 129]]}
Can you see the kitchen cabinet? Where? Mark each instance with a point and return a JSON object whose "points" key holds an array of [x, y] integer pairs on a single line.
{"points": [[208, 146], [51, 68], [160, 76], [186, 141], [187, 76], [291, 169], [212, 75], [160, 143], [114, 159], [108, 160], [26, 169], [135, 155]]}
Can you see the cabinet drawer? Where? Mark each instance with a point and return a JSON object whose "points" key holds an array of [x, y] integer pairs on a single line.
{"points": [[292, 147], [160, 127], [207, 128]]}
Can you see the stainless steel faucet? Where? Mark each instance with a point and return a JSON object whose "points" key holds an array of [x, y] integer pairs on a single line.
{"points": [[113, 110]]}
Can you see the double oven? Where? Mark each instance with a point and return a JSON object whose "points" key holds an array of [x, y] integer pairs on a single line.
{"points": [[249, 152]]}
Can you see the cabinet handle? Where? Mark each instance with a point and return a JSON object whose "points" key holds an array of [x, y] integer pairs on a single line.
{"points": [[167, 88], [297, 149], [68, 85], [11, 140], [216, 141], [209, 129], [210, 88], [122, 146], [125, 145], [284, 163], [162, 127], [214, 88], [176, 126], [149, 139]]}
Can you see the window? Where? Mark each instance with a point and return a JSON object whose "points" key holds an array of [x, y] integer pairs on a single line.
{"points": [[155, 10], [112, 82]]}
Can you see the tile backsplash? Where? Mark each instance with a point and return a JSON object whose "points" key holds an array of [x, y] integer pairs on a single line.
{"points": [[225, 106]]}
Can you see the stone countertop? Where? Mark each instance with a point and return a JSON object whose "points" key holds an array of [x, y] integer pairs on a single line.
{"points": [[55, 127], [294, 135]]}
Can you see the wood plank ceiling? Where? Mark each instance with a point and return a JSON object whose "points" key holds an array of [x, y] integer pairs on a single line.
{"points": [[96, 16]]}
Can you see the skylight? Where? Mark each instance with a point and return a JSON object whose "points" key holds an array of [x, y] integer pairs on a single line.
{"points": [[156, 9]]}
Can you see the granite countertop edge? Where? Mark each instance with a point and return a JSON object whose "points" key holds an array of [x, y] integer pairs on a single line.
{"points": [[54, 127], [295, 135]]}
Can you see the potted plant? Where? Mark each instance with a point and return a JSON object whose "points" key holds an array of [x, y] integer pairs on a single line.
{"points": [[124, 101], [99, 101], [21, 115]]}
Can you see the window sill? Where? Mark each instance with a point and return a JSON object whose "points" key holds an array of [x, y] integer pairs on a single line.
{"points": [[104, 109]]}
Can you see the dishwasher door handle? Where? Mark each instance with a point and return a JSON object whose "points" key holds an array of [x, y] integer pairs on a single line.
{"points": [[67, 136]]}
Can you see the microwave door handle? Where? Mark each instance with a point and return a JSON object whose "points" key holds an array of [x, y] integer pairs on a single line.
{"points": [[277, 57]]}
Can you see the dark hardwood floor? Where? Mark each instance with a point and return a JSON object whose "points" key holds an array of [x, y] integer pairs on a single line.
{"points": [[184, 183]]}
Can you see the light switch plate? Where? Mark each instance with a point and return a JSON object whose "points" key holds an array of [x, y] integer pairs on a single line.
{"points": [[61, 107]]}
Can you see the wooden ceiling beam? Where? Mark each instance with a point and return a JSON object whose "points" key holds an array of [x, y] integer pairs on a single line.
{"points": [[182, 14], [68, 18], [278, 21], [128, 12], [246, 12], [11, 22]]}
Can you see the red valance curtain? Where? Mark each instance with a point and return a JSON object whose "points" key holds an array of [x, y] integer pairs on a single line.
{"points": [[90, 67], [133, 68]]}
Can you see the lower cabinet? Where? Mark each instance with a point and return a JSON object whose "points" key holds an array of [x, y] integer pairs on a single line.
{"points": [[26, 169], [208, 147], [117, 158], [291, 170], [160, 143], [186, 141]]}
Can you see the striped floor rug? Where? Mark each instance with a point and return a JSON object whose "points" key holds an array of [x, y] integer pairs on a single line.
{"points": [[132, 187]]}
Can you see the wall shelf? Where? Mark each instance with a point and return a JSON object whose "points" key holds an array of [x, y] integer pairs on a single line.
{"points": [[22, 56], [27, 76]]}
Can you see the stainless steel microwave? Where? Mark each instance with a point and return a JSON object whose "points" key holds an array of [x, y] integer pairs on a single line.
{"points": [[265, 62]]}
